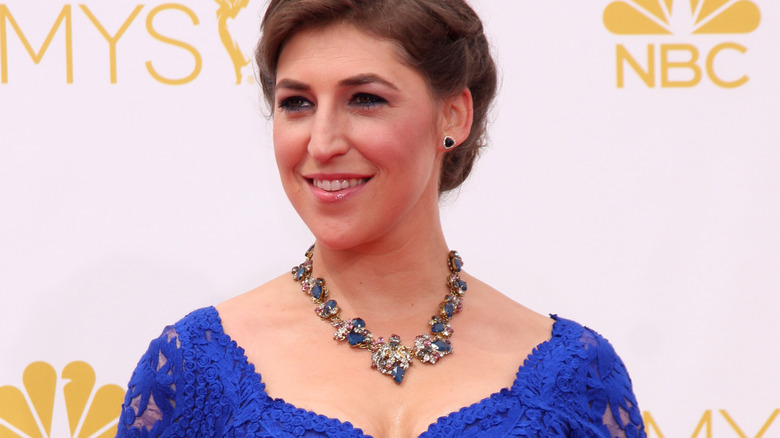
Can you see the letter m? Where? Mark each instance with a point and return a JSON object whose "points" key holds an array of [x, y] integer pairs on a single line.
{"points": [[705, 423], [6, 17]]}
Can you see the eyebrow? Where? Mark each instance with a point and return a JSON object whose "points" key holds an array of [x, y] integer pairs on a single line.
{"points": [[291, 84], [361, 79], [368, 78]]}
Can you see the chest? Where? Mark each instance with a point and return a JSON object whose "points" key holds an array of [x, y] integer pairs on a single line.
{"points": [[244, 409], [315, 391], [336, 381], [307, 369]]}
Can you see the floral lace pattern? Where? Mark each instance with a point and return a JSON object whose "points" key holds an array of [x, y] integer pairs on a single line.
{"points": [[194, 381]]}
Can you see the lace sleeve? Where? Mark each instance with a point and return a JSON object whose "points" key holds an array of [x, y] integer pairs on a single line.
{"points": [[151, 396], [610, 395]]}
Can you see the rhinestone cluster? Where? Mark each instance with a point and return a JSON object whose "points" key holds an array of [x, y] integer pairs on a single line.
{"points": [[389, 357]]}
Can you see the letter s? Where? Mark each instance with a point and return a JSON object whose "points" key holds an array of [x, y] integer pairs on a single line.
{"points": [[156, 35]]}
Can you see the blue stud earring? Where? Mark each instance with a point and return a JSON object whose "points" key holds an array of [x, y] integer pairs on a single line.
{"points": [[449, 142]]}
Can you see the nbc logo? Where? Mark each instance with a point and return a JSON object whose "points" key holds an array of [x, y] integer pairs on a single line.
{"points": [[678, 63], [87, 412]]}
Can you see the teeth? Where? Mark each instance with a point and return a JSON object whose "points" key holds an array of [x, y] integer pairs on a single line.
{"points": [[338, 184]]}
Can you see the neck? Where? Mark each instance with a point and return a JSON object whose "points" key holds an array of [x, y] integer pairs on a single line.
{"points": [[392, 286]]}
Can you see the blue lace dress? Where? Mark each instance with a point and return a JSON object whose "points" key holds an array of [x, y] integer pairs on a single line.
{"points": [[194, 381]]}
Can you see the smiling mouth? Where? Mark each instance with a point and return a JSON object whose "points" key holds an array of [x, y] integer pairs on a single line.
{"points": [[335, 185]]}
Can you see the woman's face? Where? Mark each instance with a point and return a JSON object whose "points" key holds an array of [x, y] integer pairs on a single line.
{"points": [[355, 136]]}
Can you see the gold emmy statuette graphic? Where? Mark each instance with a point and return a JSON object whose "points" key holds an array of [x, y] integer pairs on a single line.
{"points": [[659, 17], [95, 418], [229, 9]]}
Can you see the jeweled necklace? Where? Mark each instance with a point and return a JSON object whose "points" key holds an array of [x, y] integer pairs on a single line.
{"points": [[388, 356]]}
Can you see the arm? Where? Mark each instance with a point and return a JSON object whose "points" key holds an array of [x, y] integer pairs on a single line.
{"points": [[613, 406], [150, 400]]}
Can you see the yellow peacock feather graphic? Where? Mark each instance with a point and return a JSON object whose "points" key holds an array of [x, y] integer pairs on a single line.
{"points": [[229, 9], [681, 17], [95, 419]]}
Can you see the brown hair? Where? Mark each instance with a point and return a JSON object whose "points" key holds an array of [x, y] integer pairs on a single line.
{"points": [[442, 39]]}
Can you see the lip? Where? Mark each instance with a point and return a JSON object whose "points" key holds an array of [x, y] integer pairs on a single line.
{"points": [[338, 195]]}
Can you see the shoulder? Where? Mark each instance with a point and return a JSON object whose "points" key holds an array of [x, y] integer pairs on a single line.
{"points": [[192, 370], [163, 361], [199, 327], [583, 373], [585, 343], [571, 334], [170, 340], [573, 344], [197, 323]]}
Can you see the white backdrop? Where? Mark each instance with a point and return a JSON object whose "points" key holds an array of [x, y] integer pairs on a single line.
{"points": [[649, 213]]}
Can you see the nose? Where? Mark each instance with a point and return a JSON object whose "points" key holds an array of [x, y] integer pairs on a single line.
{"points": [[328, 137]]}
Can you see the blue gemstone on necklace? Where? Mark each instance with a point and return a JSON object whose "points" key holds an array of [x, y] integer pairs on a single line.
{"points": [[442, 346], [449, 310], [330, 305], [398, 373], [299, 273], [357, 322], [462, 285], [458, 263], [437, 328], [316, 291], [354, 338]]}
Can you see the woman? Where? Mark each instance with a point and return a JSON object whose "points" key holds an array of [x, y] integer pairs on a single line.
{"points": [[379, 107]]}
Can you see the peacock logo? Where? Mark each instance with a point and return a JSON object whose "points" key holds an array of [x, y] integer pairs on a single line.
{"points": [[31, 413], [677, 62], [666, 17]]}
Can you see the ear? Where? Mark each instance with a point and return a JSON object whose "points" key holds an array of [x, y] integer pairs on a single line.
{"points": [[458, 116]]}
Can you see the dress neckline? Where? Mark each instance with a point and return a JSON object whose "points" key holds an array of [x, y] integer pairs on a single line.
{"points": [[536, 355]]}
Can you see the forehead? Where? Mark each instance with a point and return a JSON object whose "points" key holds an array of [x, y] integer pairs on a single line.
{"points": [[340, 49]]}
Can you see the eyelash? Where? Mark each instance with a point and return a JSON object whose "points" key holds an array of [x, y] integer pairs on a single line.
{"points": [[294, 103], [361, 100], [372, 100]]}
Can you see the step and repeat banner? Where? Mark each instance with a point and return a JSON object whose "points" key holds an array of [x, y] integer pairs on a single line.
{"points": [[632, 183]]}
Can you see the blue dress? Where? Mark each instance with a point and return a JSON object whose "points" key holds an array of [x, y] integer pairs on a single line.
{"points": [[194, 381]]}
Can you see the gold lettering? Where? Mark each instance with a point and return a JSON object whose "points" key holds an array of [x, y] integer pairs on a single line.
{"points": [[768, 423], [647, 76], [690, 64], [739, 432], [651, 427], [711, 65], [112, 40], [733, 424], [65, 15], [651, 424], [706, 420], [173, 42]]}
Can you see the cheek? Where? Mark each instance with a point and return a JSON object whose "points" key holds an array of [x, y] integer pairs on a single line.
{"points": [[287, 148], [409, 143]]}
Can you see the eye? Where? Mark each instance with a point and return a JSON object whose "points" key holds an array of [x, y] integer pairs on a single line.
{"points": [[367, 100], [294, 103]]}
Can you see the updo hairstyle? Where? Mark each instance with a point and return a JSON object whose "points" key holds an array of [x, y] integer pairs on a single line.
{"points": [[442, 39]]}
